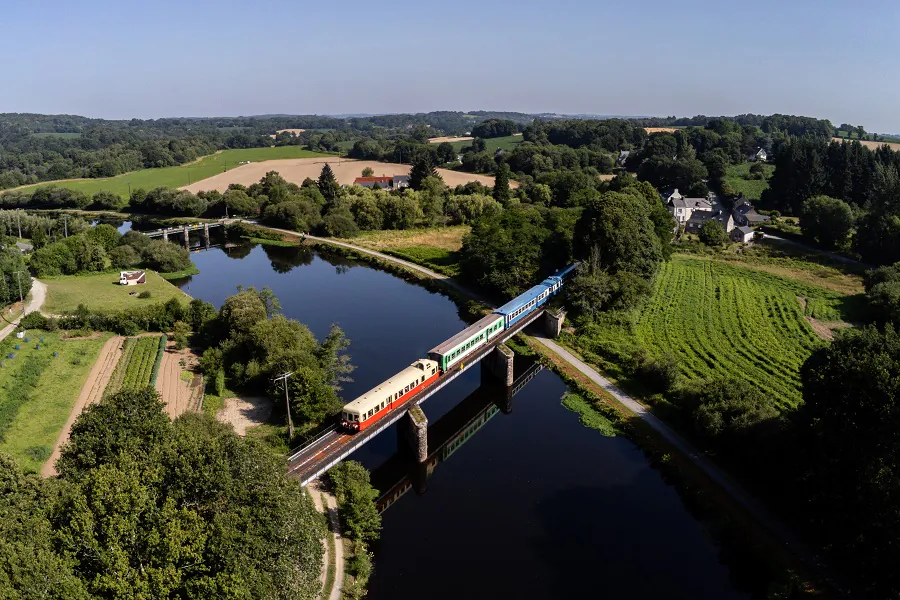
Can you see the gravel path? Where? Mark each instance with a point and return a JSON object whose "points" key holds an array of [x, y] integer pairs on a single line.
{"points": [[91, 392], [38, 295]]}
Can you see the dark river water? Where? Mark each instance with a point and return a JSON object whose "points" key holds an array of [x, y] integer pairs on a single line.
{"points": [[533, 505]]}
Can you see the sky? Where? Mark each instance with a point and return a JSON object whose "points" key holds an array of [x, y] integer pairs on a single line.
{"points": [[166, 58]]}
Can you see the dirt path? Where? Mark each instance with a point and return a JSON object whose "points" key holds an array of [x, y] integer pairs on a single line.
{"points": [[244, 413], [91, 392], [317, 492], [174, 391]]}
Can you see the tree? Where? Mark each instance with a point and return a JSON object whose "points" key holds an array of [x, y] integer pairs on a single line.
{"points": [[848, 424], [712, 233], [356, 500], [826, 221], [327, 184], [368, 172], [726, 411], [501, 184], [617, 224], [445, 152], [105, 236], [422, 169]]}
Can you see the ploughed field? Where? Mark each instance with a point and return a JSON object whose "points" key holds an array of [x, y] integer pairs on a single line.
{"points": [[345, 170], [181, 175], [724, 320]]}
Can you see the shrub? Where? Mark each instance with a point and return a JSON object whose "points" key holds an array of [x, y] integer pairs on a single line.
{"points": [[145, 294], [660, 373]]}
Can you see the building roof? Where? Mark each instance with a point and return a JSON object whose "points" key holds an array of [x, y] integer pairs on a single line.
{"points": [[701, 216], [400, 178], [694, 203], [381, 179], [466, 334], [744, 230], [755, 217]]}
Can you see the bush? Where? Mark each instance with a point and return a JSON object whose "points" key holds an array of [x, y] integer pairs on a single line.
{"points": [[339, 223], [145, 294], [660, 373]]}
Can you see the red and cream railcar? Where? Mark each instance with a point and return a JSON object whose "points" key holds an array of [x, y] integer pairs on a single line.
{"points": [[380, 400]]}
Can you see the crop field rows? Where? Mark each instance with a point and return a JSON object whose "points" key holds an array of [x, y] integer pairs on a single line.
{"points": [[723, 320], [135, 367]]}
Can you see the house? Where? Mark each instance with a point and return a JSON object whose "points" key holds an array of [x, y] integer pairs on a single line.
{"points": [[759, 155], [698, 218], [623, 157], [745, 214], [683, 208], [384, 182], [743, 234], [132, 277]]}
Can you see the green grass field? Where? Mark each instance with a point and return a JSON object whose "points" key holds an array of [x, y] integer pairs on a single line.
{"points": [[720, 319], [101, 291], [493, 144], [181, 175], [31, 434], [737, 176]]}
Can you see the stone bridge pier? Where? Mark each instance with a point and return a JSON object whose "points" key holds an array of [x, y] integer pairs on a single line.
{"points": [[553, 322], [187, 238], [499, 363], [412, 433]]}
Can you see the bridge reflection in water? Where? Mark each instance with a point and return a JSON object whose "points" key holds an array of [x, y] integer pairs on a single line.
{"points": [[401, 472]]}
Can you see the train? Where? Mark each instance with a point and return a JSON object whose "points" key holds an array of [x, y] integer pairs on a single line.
{"points": [[366, 410]]}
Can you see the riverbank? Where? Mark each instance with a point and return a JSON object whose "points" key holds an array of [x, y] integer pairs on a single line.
{"points": [[702, 488]]}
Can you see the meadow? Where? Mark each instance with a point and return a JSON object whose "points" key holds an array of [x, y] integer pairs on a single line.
{"points": [[136, 365], [507, 143], [720, 319], [101, 291], [39, 391], [181, 175], [737, 176], [441, 238]]}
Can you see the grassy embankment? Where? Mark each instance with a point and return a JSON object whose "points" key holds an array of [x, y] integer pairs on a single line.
{"points": [[738, 177], [101, 291], [181, 175], [39, 391], [436, 248], [721, 319]]}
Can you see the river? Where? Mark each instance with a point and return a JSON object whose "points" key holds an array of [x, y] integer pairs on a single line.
{"points": [[534, 505]]}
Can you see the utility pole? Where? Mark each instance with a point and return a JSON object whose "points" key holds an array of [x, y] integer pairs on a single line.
{"points": [[287, 403], [21, 297]]}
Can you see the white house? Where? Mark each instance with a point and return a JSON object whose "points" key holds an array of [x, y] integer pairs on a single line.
{"points": [[683, 208], [759, 155], [132, 277], [742, 234]]}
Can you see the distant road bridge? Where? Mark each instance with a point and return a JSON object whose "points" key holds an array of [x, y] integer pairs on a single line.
{"points": [[185, 230], [399, 474], [333, 445]]}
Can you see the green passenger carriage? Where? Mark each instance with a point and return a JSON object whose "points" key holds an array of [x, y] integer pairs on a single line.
{"points": [[466, 341]]}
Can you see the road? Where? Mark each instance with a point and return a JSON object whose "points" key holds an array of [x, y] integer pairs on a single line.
{"points": [[38, 295]]}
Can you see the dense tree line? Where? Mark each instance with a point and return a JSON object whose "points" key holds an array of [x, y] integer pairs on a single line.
{"points": [[771, 125], [839, 189], [144, 507], [493, 128], [102, 247]]}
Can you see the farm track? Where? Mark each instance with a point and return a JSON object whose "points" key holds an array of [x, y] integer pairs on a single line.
{"points": [[175, 392], [91, 392]]}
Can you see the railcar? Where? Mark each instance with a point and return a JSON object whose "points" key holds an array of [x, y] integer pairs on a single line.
{"points": [[523, 305], [363, 412], [466, 341]]}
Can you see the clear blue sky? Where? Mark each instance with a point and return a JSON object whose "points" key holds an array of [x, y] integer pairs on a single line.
{"points": [[122, 58]]}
